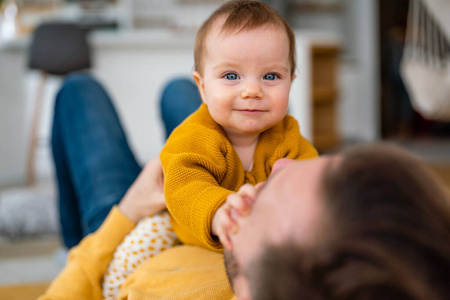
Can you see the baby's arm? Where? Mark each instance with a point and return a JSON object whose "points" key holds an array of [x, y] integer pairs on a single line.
{"points": [[201, 169], [225, 219]]}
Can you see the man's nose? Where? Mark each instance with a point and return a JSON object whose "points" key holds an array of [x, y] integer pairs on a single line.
{"points": [[280, 164], [252, 89]]}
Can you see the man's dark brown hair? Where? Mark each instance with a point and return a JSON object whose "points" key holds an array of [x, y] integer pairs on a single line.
{"points": [[389, 236]]}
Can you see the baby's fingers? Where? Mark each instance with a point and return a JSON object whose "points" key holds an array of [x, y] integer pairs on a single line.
{"points": [[226, 222], [225, 225], [225, 239], [237, 203], [248, 193]]}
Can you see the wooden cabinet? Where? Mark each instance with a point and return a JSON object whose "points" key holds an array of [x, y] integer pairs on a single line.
{"points": [[315, 91], [324, 94]]}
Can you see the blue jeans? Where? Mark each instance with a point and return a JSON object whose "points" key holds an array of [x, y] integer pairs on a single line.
{"points": [[93, 162]]}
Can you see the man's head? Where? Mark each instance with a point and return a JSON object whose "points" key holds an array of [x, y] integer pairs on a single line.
{"points": [[244, 67], [371, 223]]}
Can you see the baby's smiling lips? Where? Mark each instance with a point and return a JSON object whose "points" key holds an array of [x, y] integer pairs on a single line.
{"points": [[250, 111]]}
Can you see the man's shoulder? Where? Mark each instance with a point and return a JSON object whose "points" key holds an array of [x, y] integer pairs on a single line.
{"points": [[179, 273]]}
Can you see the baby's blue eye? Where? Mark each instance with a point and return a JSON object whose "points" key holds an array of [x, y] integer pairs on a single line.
{"points": [[231, 76], [270, 77]]}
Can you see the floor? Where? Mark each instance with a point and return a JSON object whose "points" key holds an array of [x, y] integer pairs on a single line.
{"points": [[37, 260], [33, 259], [30, 249]]}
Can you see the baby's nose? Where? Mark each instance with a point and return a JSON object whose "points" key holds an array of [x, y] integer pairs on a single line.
{"points": [[252, 89]]}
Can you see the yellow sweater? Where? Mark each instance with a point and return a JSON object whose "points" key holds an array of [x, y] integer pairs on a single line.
{"points": [[182, 272], [201, 168]]}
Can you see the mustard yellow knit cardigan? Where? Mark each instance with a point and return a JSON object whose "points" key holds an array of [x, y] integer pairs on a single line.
{"points": [[201, 168]]}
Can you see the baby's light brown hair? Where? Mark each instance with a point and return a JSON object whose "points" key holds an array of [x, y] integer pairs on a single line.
{"points": [[242, 15]]}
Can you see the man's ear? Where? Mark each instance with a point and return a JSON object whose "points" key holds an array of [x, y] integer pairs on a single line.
{"points": [[200, 85]]}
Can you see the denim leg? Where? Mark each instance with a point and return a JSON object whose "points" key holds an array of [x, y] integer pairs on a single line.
{"points": [[179, 99], [93, 161], [68, 205]]}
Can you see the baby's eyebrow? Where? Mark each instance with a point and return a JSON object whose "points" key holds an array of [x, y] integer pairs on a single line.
{"points": [[233, 65], [285, 68], [226, 65]]}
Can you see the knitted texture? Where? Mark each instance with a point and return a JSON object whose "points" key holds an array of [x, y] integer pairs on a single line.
{"points": [[201, 168]]}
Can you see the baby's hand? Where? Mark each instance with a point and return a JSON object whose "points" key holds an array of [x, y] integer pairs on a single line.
{"points": [[226, 217]]}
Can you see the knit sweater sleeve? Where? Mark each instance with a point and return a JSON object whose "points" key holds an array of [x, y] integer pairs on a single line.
{"points": [[196, 171], [87, 262]]}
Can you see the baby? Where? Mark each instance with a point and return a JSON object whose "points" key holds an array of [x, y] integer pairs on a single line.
{"points": [[244, 66]]}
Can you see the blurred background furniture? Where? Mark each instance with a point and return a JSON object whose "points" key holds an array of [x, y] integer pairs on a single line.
{"points": [[57, 48], [315, 93], [399, 120], [425, 66], [325, 93]]}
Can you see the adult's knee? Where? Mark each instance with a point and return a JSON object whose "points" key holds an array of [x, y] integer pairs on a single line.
{"points": [[179, 91], [78, 91], [179, 83], [71, 85], [78, 78], [180, 98]]}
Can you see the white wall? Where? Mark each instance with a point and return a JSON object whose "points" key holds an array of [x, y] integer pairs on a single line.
{"points": [[135, 78], [132, 67], [13, 112], [360, 104]]}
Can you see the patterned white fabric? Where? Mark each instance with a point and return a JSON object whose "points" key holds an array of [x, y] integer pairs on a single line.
{"points": [[151, 236]]}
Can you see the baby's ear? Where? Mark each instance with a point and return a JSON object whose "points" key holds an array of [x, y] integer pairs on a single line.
{"points": [[293, 77], [200, 85]]}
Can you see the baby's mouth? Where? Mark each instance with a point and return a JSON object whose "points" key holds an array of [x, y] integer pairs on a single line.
{"points": [[250, 110]]}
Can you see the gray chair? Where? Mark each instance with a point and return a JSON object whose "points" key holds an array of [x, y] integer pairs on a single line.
{"points": [[57, 48]]}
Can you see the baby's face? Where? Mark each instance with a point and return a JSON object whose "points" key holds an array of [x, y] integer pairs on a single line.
{"points": [[246, 79]]}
